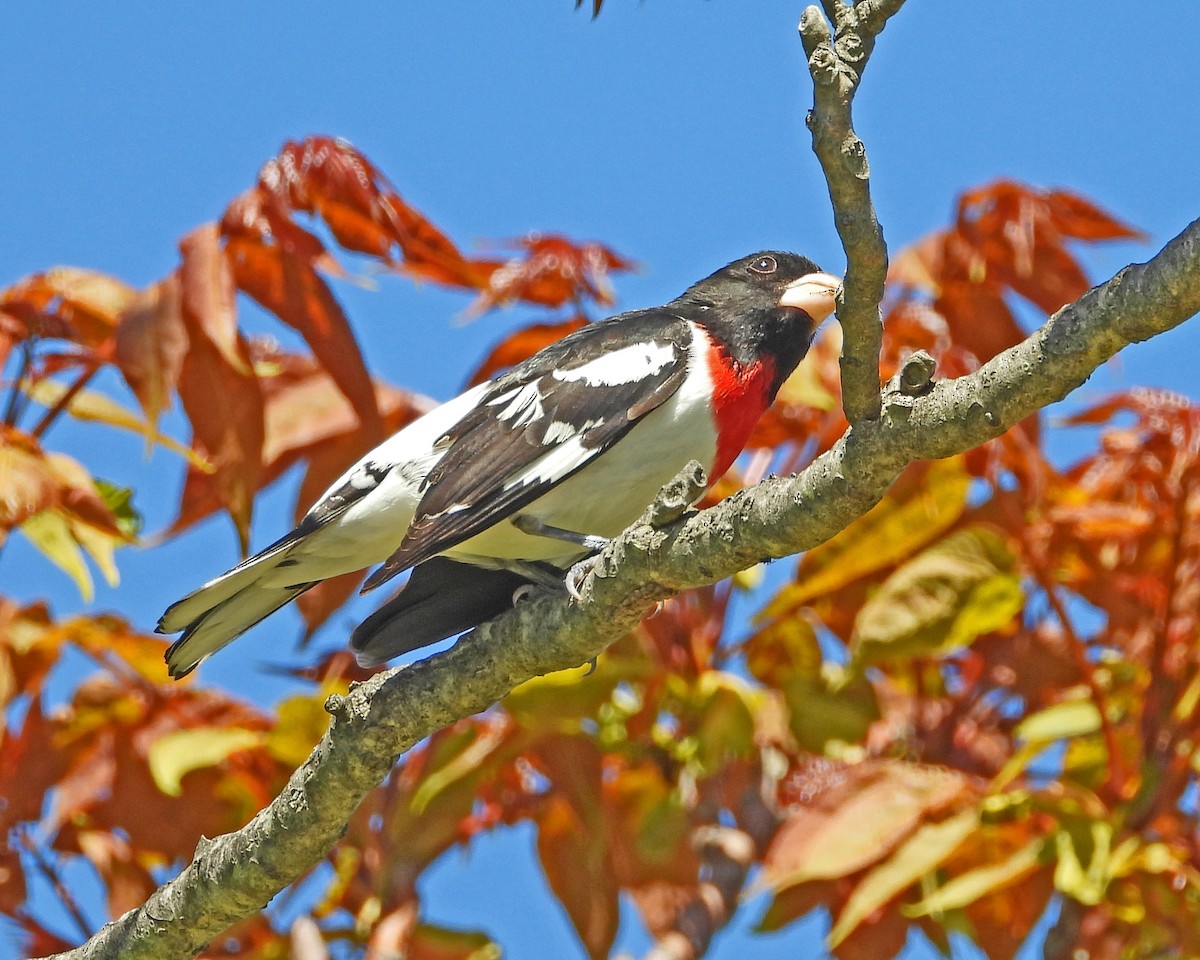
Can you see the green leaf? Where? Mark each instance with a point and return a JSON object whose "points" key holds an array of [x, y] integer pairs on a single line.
{"points": [[834, 706], [970, 886], [941, 600], [726, 727], [119, 500], [174, 755], [918, 856], [463, 765], [1074, 718], [921, 506]]}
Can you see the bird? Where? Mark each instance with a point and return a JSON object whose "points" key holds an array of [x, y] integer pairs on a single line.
{"points": [[519, 478]]}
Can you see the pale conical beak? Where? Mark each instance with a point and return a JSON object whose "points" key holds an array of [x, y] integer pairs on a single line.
{"points": [[813, 293]]}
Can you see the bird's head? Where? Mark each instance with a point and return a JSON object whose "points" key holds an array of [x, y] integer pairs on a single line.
{"points": [[770, 300]]}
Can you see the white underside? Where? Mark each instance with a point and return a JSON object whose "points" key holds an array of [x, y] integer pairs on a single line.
{"points": [[603, 497]]}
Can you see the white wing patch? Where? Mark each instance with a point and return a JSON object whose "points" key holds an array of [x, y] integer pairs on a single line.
{"points": [[627, 365], [558, 431], [554, 464], [524, 405]]}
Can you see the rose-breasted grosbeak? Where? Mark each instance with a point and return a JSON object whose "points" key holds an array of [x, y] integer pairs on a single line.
{"points": [[516, 479]]}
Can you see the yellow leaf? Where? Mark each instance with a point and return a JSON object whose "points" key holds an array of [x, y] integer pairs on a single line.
{"points": [[910, 516], [102, 296], [1085, 884], [941, 600], [970, 886], [804, 387], [50, 532], [917, 857], [438, 943], [1073, 718], [464, 764], [100, 546], [869, 814], [784, 650], [302, 721], [174, 755], [91, 405]]}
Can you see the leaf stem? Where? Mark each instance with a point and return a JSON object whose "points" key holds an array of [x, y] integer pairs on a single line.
{"points": [[85, 376]]}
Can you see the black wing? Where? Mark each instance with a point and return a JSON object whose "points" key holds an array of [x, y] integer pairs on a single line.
{"points": [[541, 422]]}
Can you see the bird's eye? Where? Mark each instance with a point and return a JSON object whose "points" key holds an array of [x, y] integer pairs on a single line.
{"points": [[764, 266]]}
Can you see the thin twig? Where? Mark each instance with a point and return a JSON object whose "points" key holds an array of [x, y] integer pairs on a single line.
{"points": [[1117, 779], [50, 872], [838, 49], [14, 407], [48, 418]]}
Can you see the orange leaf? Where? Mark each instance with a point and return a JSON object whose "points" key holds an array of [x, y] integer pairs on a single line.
{"points": [[69, 303], [28, 483], [225, 408], [853, 816], [30, 764], [291, 289], [1075, 216], [206, 285], [150, 344], [319, 603]]}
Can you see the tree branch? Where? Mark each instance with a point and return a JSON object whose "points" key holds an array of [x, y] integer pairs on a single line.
{"points": [[236, 874], [836, 61]]}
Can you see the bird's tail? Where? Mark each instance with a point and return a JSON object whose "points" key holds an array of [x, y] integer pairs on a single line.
{"points": [[441, 598], [223, 609]]}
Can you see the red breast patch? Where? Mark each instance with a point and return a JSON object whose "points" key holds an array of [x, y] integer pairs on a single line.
{"points": [[741, 394]]}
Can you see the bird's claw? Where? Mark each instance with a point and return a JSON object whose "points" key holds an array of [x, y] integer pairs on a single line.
{"points": [[575, 577], [523, 593]]}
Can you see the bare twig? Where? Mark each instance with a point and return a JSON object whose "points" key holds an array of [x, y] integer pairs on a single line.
{"points": [[85, 376], [16, 398], [838, 45], [50, 873]]}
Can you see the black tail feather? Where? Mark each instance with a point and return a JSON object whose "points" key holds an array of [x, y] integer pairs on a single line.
{"points": [[441, 598]]}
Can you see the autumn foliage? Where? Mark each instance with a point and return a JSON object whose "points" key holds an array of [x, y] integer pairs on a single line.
{"points": [[981, 698]]}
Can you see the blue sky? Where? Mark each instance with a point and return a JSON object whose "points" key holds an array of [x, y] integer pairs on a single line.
{"points": [[670, 129]]}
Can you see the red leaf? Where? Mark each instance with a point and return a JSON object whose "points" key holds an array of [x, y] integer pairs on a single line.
{"points": [[30, 764], [1075, 216], [553, 271]]}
